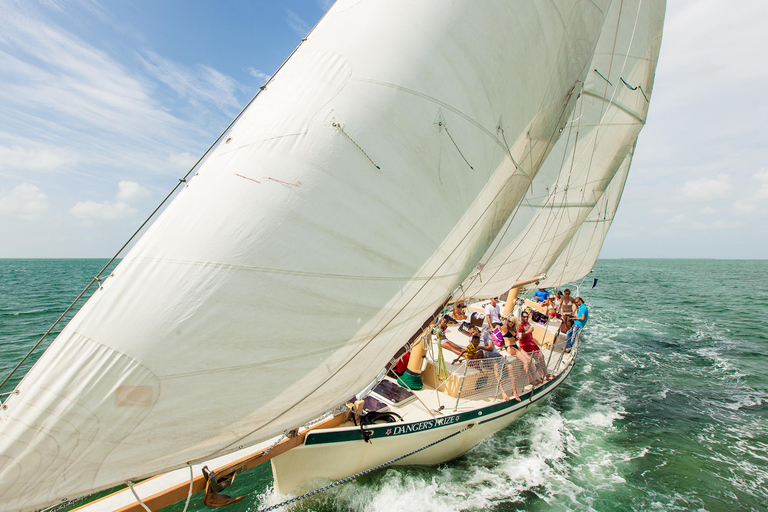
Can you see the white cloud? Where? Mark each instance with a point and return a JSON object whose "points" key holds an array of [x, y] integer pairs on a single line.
{"points": [[706, 188], [26, 202], [199, 85], [182, 160], [127, 192], [42, 159], [257, 73], [90, 210], [130, 192]]}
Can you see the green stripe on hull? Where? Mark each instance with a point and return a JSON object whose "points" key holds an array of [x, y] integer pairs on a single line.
{"points": [[399, 429]]}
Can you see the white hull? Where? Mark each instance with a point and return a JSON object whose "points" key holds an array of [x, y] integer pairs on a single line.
{"points": [[334, 454]]}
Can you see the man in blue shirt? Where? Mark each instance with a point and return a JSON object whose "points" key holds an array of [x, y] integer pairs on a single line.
{"points": [[541, 295], [579, 321]]}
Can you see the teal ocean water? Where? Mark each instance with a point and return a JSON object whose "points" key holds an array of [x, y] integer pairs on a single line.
{"points": [[667, 408]]}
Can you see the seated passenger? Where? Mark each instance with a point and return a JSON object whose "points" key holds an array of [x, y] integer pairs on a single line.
{"points": [[492, 313], [458, 312], [439, 332], [489, 346], [472, 351]]}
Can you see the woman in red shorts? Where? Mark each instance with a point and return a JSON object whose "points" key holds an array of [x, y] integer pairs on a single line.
{"points": [[527, 343]]}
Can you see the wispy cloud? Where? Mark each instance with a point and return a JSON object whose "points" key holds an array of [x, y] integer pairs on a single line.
{"points": [[39, 159], [58, 91], [200, 85], [297, 24], [257, 73], [707, 188], [25, 202], [90, 210]]}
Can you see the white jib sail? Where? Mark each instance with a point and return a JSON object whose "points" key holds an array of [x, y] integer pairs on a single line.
{"points": [[355, 193], [581, 253], [609, 115]]}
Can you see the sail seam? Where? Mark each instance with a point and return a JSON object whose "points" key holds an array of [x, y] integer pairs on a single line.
{"points": [[433, 100]]}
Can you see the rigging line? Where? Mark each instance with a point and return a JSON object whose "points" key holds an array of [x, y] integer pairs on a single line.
{"points": [[182, 180], [551, 211], [191, 485], [362, 473], [457, 146], [601, 76], [605, 195], [638, 86], [521, 237], [511, 218], [130, 486], [509, 150], [339, 127]]}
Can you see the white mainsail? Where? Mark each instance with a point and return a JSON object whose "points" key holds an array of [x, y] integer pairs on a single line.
{"points": [[354, 194], [580, 255], [604, 126]]}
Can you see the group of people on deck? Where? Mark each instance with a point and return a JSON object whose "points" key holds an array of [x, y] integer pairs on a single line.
{"points": [[571, 310], [511, 338], [501, 338]]}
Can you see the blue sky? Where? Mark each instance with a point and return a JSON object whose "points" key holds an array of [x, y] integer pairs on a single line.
{"points": [[103, 105]]}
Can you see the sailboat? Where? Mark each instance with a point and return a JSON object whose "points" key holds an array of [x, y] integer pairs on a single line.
{"points": [[406, 156]]}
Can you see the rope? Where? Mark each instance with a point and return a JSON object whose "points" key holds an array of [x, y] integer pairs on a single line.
{"points": [[362, 473], [191, 484], [601, 76], [457, 146], [638, 86], [338, 127], [130, 486]]}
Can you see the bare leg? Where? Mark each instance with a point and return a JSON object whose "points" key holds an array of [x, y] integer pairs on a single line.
{"points": [[512, 380], [526, 360], [496, 372], [449, 345]]}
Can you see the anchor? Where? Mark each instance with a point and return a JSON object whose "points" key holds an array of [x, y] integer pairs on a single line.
{"points": [[217, 482]]}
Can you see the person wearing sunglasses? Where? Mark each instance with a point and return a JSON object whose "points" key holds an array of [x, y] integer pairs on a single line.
{"points": [[527, 343]]}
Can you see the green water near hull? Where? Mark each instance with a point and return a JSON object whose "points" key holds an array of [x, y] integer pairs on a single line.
{"points": [[667, 408]]}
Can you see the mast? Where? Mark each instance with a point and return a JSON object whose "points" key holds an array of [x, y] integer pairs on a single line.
{"points": [[353, 195]]}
